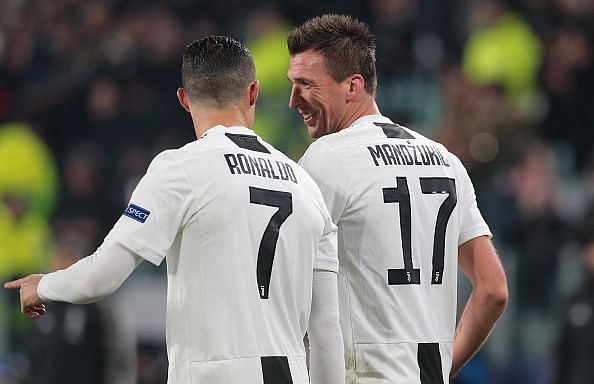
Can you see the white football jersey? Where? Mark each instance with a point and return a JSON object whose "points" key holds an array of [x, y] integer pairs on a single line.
{"points": [[242, 227], [403, 204]]}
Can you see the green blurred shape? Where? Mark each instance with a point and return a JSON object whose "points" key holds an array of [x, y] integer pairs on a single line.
{"points": [[271, 56], [27, 168], [25, 244], [28, 187], [507, 54], [268, 46]]}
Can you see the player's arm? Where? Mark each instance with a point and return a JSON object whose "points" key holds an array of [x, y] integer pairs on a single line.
{"points": [[326, 357], [325, 338], [88, 280], [480, 263]]}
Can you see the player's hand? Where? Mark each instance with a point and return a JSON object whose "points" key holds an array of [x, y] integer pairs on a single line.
{"points": [[31, 304]]}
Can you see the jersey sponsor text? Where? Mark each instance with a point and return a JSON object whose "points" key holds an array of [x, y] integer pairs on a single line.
{"points": [[137, 213]]}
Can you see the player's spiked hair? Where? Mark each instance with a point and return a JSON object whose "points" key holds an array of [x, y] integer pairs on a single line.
{"points": [[347, 45], [216, 70]]}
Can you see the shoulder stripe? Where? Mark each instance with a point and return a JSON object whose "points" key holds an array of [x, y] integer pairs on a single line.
{"points": [[248, 142], [394, 131]]}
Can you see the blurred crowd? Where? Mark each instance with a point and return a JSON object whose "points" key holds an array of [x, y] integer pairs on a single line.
{"points": [[87, 98]]}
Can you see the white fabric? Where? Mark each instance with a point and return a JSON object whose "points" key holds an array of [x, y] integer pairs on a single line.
{"points": [[325, 338], [198, 207], [357, 170], [91, 278]]}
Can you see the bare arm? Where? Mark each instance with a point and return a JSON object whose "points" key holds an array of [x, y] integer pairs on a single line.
{"points": [[480, 263], [325, 338]]}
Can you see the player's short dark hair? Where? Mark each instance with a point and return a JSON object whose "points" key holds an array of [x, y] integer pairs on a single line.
{"points": [[347, 45], [216, 70]]}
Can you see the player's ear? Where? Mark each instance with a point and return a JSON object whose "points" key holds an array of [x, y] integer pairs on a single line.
{"points": [[253, 92], [183, 99], [356, 85]]}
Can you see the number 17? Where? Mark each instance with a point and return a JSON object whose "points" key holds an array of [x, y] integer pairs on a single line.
{"points": [[401, 195]]}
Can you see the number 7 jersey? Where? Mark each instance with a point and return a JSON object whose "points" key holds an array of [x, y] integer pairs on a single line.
{"points": [[403, 204], [242, 228]]}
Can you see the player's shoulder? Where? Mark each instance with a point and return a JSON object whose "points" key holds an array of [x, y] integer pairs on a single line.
{"points": [[320, 158], [165, 164], [323, 149], [164, 158], [454, 160]]}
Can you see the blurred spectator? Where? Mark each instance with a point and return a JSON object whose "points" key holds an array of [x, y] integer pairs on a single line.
{"points": [[567, 77], [152, 369], [266, 39], [68, 345], [14, 369], [80, 344], [24, 236], [408, 53], [474, 119], [27, 168], [105, 125], [523, 204], [132, 166], [575, 351], [502, 50], [86, 202], [542, 234], [27, 191]]}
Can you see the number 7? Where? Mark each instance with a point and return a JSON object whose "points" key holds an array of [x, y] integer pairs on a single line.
{"points": [[284, 202]]}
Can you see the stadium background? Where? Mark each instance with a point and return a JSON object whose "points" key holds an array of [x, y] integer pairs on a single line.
{"points": [[87, 98]]}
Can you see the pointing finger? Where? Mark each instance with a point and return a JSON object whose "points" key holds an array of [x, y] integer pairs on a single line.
{"points": [[15, 284]]}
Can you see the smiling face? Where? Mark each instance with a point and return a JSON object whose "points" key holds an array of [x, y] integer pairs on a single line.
{"points": [[321, 100]]}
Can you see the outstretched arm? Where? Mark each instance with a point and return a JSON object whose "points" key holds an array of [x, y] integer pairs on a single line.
{"points": [[480, 263], [88, 280], [325, 338]]}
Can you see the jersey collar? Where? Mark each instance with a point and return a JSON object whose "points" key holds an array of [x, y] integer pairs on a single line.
{"points": [[221, 130], [371, 119]]}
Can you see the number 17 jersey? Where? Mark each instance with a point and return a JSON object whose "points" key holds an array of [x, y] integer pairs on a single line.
{"points": [[403, 204]]}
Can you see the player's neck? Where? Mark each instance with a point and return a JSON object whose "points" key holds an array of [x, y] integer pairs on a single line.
{"points": [[359, 110], [205, 118]]}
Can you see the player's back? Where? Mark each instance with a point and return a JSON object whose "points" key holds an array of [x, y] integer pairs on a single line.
{"points": [[397, 200], [240, 268]]}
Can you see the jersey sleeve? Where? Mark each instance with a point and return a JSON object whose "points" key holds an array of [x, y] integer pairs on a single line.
{"points": [[472, 223], [327, 252], [325, 338], [158, 209], [323, 166], [92, 278]]}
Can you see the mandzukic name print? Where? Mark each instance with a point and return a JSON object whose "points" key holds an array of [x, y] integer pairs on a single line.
{"points": [[411, 154]]}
